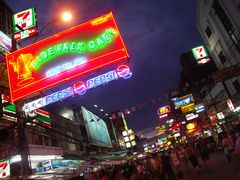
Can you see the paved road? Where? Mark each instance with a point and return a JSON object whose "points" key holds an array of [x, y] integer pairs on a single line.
{"points": [[219, 170]]}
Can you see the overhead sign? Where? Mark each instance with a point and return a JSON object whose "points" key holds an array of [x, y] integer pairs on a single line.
{"points": [[25, 34], [41, 117], [8, 108], [164, 110], [191, 116], [80, 88], [220, 115], [200, 55], [5, 43], [64, 57], [188, 108], [4, 169], [204, 60], [27, 21], [184, 100], [199, 108], [199, 52]]}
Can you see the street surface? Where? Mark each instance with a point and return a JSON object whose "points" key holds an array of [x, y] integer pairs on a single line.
{"points": [[220, 169]]}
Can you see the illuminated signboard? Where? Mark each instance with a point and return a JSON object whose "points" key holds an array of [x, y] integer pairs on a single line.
{"points": [[203, 61], [220, 115], [230, 104], [200, 55], [66, 56], [191, 127], [164, 110], [199, 108], [199, 52], [5, 43], [191, 116], [188, 108], [8, 108], [4, 169], [27, 21], [80, 88], [41, 117], [184, 100]]}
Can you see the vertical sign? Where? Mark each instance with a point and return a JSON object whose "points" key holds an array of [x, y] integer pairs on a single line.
{"points": [[230, 104]]}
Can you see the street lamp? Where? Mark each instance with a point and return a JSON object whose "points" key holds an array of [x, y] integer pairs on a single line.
{"points": [[66, 16]]}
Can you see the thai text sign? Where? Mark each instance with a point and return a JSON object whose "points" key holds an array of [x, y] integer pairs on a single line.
{"points": [[65, 56]]}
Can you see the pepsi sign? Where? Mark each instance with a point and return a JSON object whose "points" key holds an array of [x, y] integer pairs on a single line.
{"points": [[80, 88]]}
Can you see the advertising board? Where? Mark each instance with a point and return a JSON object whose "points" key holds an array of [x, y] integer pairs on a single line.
{"points": [[64, 57]]}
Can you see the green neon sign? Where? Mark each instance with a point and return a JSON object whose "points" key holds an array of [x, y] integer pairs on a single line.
{"points": [[79, 47]]}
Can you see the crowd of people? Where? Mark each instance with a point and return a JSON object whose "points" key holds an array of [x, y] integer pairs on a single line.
{"points": [[171, 164]]}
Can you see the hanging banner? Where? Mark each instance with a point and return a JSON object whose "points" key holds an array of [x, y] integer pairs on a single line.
{"points": [[64, 57]]}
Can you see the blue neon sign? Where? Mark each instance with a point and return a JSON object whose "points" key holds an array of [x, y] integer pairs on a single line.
{"points": [[80, 88]]}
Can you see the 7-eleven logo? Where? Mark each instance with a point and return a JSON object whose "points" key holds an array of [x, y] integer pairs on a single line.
{"points": [[4, 169], [199, 52], [25, 19]]}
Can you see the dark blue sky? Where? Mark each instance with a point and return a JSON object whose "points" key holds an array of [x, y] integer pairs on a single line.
{"points": [[156, 33]]}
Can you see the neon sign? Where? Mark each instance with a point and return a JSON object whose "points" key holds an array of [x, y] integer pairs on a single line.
{"points": [[164, 110], [184, 100], [66, 66], [74, 47], [52, 61], [80, 88]]}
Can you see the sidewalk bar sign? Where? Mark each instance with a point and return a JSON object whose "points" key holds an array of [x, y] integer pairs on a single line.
{"points": [[65, 57], [27, 21]]}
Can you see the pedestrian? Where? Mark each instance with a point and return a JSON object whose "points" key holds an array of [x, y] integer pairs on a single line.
{"points": [[167, 167], [191, 151], [237, 149], [203, 150], [228, 146]]}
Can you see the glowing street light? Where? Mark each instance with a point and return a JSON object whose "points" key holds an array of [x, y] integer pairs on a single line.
{"points": [[66, 16], [101, 110], [95, 105]]}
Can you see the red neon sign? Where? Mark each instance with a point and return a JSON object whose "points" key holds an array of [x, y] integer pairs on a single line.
{"points": [[65, 56]]}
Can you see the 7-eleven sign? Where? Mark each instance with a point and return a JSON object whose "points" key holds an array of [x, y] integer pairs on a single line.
{"points": [[4, 169], [25, 19], [199, 52]]}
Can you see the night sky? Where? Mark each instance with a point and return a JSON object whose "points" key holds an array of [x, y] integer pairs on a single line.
{"points": [[155, 32]]}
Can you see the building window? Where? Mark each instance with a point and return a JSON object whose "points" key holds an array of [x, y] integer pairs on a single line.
{"points": [[223, 16], [222, 57], [208, 32], [236, 85]]}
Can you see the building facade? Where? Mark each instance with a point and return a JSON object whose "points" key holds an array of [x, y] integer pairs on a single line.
{"points": [[219, 25]]}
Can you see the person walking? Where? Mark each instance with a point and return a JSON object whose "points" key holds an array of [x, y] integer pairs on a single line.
{"points": [[228, 146]]}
